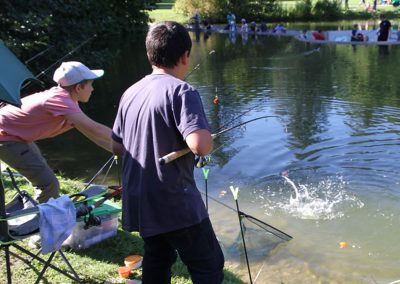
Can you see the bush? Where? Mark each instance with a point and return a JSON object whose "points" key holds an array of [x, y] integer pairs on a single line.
{"points": [[327, 10], [303, 10]]}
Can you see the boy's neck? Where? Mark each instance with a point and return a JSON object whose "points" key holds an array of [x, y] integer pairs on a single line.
{"points": [[170, 71]]}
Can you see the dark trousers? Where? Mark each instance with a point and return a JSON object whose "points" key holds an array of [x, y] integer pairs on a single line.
{"points": [[198, 248]]}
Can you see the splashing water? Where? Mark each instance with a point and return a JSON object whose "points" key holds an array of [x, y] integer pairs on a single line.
{"points": [[325, 201]]}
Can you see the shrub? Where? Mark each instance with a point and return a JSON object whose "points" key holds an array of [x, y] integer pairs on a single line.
{"points": [[327, 10], [303, 10]]}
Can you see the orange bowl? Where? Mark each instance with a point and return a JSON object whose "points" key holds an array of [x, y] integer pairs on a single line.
{"points": [[124, 271]]}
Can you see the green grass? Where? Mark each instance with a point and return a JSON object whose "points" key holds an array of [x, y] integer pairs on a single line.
{"points": [[167, 14], [96, 264], [158, 15]]}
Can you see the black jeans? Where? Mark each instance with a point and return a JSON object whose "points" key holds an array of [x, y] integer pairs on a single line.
{"points": [[198, 248]]}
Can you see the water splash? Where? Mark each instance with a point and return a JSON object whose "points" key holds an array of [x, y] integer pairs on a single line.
{"points": [[325, 200]]}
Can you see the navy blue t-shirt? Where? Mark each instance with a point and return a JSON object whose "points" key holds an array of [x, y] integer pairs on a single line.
{"points": [[155, 115]]}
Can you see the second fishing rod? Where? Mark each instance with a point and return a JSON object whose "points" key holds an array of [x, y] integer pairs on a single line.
{"points": [[176, 154]]}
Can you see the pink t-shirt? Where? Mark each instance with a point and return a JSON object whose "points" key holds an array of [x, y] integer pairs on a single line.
{"points": [[42, 115]]}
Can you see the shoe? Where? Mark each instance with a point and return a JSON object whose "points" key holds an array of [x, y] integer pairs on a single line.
{"points": [[35, 242]]}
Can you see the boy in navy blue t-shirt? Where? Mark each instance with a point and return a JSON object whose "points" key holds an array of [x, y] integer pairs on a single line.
{"points": [[157, 115]]}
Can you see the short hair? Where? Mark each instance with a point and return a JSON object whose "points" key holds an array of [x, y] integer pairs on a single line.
{"points": [[166, 42]]}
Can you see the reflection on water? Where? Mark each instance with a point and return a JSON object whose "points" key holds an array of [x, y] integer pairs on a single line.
{"points": [[334, 129]]}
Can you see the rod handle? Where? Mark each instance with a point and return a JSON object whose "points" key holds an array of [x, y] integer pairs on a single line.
{"points": [[172, 156]]}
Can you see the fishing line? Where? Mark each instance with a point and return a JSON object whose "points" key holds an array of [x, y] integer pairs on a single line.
{"points": [[110, 160], [109, 168]]}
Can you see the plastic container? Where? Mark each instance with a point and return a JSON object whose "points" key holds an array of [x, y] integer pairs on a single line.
{"points": [[133, 261], [81, 238]]}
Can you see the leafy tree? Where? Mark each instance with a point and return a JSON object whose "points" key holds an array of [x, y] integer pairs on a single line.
{"points": [[28, 27]]}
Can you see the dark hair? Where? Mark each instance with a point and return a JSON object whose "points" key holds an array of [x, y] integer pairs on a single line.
{"points": [[166, 42]]}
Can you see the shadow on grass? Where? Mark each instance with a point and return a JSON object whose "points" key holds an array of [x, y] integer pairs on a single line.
{"points": [[115, 249]]}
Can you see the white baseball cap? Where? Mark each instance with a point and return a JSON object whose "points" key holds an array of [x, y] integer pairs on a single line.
{"points": [[73, 72]]}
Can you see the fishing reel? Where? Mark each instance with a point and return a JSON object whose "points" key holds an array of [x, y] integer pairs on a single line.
{"points": [[91, 221], [201, 161]]}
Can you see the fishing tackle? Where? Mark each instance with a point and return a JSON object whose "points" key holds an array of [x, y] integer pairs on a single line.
{"points": [[38, 55], [201, 161], [176, 154], [37, 76], [196, 67], [235, 118], [216, 100], [235, 193]]}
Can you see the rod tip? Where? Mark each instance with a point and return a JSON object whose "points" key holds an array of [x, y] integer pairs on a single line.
{"points": [[161, 161]]}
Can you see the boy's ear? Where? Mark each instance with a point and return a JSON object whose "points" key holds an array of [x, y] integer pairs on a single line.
{"points": [[185, 58]]}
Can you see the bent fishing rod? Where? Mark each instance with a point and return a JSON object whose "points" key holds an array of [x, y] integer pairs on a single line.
{"points": [[176, 154]]}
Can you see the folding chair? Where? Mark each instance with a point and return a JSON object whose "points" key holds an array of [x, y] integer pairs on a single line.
{"points": [[23, 205]]}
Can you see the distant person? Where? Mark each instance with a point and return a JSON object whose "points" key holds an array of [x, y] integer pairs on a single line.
{"points": [[355, 34], [245, 26], [207, 25], [45, 115], [384, 28], [263, 27], [253, 27], [318, 35], [196, 21], [279, 29], [231, 18]]}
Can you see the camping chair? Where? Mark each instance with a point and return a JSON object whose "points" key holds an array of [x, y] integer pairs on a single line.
{"points": [[24, 206]]}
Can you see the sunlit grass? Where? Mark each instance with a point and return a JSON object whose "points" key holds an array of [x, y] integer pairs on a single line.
{"points": [[158, 15]]}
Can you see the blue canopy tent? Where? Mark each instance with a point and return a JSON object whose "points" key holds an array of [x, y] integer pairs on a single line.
{"points": [[12, 75]]}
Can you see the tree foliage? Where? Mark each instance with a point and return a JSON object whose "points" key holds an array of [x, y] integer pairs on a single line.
{"points": [[28, 27], [218, 9]]}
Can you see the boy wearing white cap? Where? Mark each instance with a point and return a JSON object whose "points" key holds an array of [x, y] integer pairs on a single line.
{"points": [[47, 114]]}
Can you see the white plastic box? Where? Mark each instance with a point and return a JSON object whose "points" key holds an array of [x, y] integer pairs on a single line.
{"points": [[81, 238]]}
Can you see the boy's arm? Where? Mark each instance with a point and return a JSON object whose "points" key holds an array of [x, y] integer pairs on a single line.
{"points": [[200, 142], [96, 132]]}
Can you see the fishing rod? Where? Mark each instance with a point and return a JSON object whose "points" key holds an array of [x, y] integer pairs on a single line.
{"points": [[176, 154], [38, 55], [37, 76], [197, 67], [235, 118], [109, 162]]}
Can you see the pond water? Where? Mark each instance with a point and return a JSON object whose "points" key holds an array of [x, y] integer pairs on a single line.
{"points": [[323, 167]]}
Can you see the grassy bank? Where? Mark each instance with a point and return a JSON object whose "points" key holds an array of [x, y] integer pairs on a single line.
{"points": [[96, 264]]}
